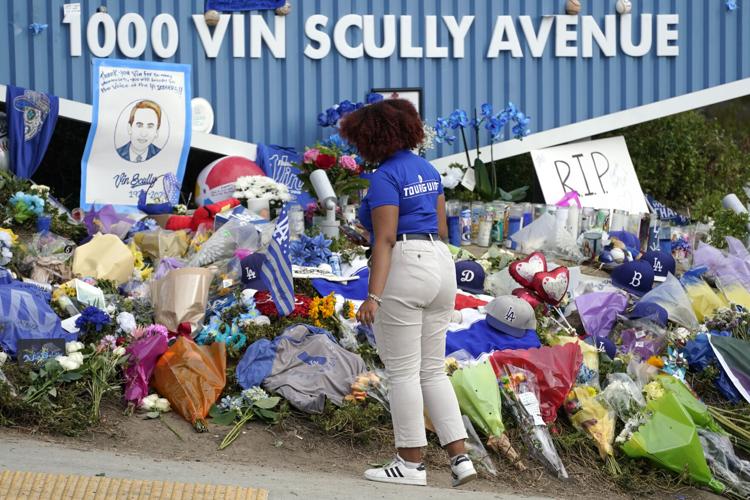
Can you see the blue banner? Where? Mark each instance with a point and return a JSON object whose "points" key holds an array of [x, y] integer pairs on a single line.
{"points": [[277, 163], [31, 123], [237, 5]]}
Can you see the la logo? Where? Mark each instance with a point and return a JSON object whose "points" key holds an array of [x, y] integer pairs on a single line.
{"points": [[657, 265], [510, 315], [251, 275]]}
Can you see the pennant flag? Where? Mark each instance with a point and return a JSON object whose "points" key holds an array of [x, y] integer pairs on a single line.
{"points": [[31, 122], [240, 5], [734, 356], [276, 271]]}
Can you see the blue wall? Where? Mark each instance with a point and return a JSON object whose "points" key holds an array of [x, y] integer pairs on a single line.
{"points": [[277, 101]]}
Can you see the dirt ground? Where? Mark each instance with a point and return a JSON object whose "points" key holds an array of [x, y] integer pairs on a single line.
{"points": [[298, 445]]}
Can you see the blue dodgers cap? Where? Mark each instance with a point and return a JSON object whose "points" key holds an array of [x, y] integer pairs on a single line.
{"points": [[603, 344], [636, 277], [251, 268], [662, 263], [470, 276], [511, 315], [650, 310]]}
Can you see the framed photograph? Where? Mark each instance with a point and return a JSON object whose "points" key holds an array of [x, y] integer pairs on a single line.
{"points": [[412, 94]]}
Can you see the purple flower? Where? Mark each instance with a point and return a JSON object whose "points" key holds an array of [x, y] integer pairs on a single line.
{"points": [[332, 116], [486, 110], [94, 317], [323, 120], [458, 118], [346, 107], [372, 98]]}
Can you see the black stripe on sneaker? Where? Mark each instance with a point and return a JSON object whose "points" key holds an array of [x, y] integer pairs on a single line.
{"points": [[421, 467], [387, 473], [461, 459], [398, 471]]}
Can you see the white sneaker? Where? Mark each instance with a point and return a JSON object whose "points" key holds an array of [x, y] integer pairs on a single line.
{"points": [[462, 470], [398, 473]]}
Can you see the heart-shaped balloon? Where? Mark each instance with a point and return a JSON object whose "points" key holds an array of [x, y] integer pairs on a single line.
{"points": [[552, 286], [523, 271], [530, 297]]}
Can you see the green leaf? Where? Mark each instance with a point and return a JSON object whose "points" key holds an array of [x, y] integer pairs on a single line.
{"points": [[267, 414], [224, 418], [267, 403], [215, 411], [71, 376], [53, 392]]}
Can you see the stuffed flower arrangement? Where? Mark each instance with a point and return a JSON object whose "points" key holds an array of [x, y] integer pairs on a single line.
{"points": [[8, 239], [310, 251], [260, 187], [343, 169], [26, 207], [494, 123]]}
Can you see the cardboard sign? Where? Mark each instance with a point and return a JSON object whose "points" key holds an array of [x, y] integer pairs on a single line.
{"points": [[601, 172], [38, 351]]}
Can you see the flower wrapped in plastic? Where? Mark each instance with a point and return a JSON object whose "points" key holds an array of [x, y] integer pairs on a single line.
{"points": [[667, 436], [522, 400], [478, 397], [591, 415], [26, 206]]}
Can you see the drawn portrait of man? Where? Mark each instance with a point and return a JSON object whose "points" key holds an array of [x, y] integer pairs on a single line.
{"points": [[143, 128]]}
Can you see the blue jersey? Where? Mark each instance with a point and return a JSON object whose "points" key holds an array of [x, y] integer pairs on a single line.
{"points": [[410, 183]]}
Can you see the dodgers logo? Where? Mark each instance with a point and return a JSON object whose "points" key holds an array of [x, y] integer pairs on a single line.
{"points": [[636, 281], [467, 275], [250, 274], [34, 106], [510, 315], [657, 265], [312, 360]]}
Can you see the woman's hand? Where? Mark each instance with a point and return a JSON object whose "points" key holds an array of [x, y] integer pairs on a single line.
{"points": [[366, 313]]}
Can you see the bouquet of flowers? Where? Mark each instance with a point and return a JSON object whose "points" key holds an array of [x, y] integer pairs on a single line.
{"points": [[522, 399], [26, 206], [343, 169], [589, 414], [7, 240], [310, 251], [260, 187], [251, 403]]}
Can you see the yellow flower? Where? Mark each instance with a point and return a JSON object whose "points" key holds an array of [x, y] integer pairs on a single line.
{"points": [[656, 361], [9, 232]]}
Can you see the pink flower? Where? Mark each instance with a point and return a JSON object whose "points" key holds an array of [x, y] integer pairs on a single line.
{"points": [[311, 155], [349, 163]]}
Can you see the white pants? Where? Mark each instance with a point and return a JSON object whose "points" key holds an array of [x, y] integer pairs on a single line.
{"points": [[409, 330]]}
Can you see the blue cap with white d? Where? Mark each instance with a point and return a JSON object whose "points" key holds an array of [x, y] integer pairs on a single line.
{"points": [[470, 276], [662, 263], [636, 277]]}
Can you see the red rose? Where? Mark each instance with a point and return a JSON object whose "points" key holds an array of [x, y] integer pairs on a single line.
{"points": [[325, 161]]}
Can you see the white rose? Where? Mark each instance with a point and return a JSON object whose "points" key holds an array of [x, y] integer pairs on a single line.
{"points": [[162, 405], [76, 357], [74, 346], [111, 310], [118, 351], [148, 402], [3, 358], [67, 364], [126, 322], [262, 320]]}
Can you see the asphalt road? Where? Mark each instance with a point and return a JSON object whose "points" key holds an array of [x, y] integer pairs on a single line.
{"points": [[23, 454]]}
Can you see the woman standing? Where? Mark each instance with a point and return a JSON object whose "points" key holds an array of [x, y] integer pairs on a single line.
{"points": [[412, 287]]}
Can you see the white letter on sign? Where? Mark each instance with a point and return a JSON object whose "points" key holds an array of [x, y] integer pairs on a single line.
{"points": [[260, 32], [503, 25], [315, 35], [173, 36], [123, 35], [211, 43], [339, 36], [110, 34]]}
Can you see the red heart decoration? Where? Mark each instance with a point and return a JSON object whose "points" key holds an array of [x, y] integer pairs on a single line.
{"points": [[523, 271], [530, 297], [552, 286]]}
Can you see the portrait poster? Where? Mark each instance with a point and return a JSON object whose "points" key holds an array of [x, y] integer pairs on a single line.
{"points": [[140, 133]]}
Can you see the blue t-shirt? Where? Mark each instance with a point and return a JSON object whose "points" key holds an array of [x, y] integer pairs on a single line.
{"points": [[413, 185]]}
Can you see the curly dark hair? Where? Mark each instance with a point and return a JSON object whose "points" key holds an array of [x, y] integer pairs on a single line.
{"points": [[381, 129]]}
